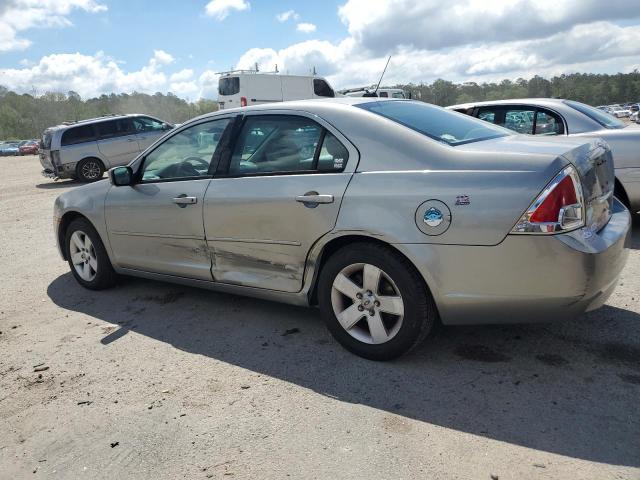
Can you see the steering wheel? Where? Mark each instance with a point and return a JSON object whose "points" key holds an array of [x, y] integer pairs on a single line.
{"points": [[188, 166]]}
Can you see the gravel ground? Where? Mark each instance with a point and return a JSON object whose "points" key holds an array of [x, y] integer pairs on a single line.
{"points": [[151, 380]]}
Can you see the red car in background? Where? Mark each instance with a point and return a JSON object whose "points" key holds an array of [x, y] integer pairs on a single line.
{"points": [[28, 147]]}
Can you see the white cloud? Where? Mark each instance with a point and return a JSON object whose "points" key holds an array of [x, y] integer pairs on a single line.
{"points": [[188, 90], [182, 75], [17, 16], [89, 75], [306, 27], [162, 57], [288, 15], [220, 9]]}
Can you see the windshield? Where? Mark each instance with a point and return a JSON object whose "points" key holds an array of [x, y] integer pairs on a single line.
{"points": [[229, 86], [603, 118], [443, 125]]}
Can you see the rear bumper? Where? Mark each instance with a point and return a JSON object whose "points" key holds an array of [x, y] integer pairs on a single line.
{"points": [[526, 278]]}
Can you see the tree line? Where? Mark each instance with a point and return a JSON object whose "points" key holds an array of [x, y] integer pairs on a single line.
{"points": [[593, 89], [26, 116]]}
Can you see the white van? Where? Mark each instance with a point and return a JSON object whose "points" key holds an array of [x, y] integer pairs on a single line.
{"points": [[382, 92], [247, 87]]}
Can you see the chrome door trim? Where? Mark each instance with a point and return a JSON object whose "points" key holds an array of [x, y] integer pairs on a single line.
{"points": [[157, 235]]}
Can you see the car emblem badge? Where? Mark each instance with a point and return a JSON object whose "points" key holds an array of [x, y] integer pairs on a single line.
{"points": [[463, 200], [433, 217]]}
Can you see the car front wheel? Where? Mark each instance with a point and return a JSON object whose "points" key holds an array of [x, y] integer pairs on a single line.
{"points": [[374, 302], [87, 257]]}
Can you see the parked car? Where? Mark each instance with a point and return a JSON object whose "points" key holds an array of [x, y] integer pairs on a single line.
{"points": [[9, 149], [85, 149], [28, 147], [241, 88], [566, 117], [619, 112], [391, 215]]}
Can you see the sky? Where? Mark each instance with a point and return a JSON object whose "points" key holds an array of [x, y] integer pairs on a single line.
{"points": [[103, 46]]}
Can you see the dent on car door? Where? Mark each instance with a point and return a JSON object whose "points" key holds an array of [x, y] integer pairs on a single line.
{"points": [[273, 197], [155, 225]]}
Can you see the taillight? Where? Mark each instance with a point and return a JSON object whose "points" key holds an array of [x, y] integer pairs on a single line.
{"points": [[559, 208], [243, 101]]}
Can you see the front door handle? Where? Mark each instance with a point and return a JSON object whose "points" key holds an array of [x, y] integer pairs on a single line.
{"points": [[313, 199], [182, 200]]}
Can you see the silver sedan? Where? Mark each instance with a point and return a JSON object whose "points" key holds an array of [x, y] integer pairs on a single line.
{"points": [[550, 116], [390, 215]]}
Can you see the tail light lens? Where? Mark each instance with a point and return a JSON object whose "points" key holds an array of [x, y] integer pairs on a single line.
{"points": [[243, 101], [559, 208]]}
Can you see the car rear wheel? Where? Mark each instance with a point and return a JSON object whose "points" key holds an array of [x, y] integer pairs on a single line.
{"points": [[87, 257], [374, 302], [89, 170]]}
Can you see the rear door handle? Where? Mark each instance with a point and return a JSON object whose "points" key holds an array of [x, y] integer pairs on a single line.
{"points": [[183, 200], [312, 199]]}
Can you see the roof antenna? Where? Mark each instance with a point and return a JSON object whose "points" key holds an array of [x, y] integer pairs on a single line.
{"points": [[257, 67], [277, 68], [380, 81]]}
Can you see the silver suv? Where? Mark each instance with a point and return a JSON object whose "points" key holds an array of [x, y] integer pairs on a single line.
{"points": [[85, 149]]}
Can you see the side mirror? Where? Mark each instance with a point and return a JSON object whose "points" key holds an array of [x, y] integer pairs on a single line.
{"points": [[166, 126], [121, 176]]}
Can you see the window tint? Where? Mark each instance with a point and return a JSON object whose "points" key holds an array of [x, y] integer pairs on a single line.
{"points": [[146, 124], [322, 88], [437, 123], [548, 123], [186, 154], [383, 94], [114, 128], [333, 155], [83, 133], [229, 86], [603, 118], [274, 143]]}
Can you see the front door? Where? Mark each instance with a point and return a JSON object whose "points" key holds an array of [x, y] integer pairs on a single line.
{"points": [[279, 192], [156, 224]]}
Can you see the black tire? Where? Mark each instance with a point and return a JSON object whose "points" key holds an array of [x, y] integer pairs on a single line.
{"points": [[89, 170], [105, 276], [420, 312]]}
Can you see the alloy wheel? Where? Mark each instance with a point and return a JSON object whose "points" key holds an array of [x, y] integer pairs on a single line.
{"points": [[90, 170], [83, 256], [367, 303]]}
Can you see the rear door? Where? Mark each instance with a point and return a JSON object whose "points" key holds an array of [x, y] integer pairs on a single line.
{"points": [[117, 141], [271, 199]]}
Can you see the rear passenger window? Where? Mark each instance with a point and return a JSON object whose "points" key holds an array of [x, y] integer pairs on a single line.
{"points": [[383, 94], [83, 133], [548, 123], [333, 154], [322, 88], [286, 144], [114, 128]]}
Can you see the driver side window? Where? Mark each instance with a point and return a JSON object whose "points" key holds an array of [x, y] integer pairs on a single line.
{"points": [[186, 154]]}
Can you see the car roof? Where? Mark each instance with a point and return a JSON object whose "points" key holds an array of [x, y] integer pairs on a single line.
{"points": [[548, 102], [96, 120]]}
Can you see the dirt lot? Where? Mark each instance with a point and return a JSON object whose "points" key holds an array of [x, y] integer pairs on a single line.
{"points": [[151, 380]]}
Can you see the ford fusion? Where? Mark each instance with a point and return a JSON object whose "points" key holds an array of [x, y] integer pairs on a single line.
{"points": [[389, 215]]}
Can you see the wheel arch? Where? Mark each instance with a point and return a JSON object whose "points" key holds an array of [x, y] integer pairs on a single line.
{"points": [[336, 243], [621, 193], [65, 221]]}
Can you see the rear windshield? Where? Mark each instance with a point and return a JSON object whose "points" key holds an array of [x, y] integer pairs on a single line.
{"points": [[229, 86], [603, 118], [443, 125]]}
